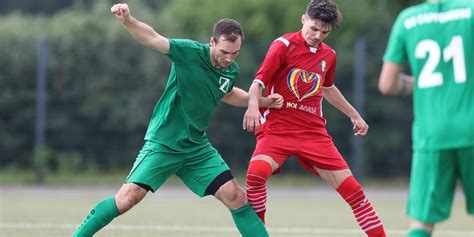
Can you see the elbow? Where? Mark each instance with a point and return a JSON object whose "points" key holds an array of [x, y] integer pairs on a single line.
{"points": [[386, 89], [255, 88], [389, 78]]}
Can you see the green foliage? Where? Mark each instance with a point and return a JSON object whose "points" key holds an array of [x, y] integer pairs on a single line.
{"points": [[37, 6], [103, 85], [262, 20], [47, 161]]}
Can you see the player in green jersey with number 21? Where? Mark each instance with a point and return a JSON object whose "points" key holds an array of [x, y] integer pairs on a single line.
{"points": [[436, 38]]}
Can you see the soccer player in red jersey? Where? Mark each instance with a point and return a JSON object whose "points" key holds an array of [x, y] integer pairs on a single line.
{"points": [[300, 67]]}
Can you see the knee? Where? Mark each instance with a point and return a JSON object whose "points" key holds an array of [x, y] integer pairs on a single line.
{"points": [[237, 199], [334, 177], [231, 195], [125, 202], [128, 197], [258, 173]]}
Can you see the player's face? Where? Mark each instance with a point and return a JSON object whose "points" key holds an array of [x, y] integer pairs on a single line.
{"points": [[223, 52], [314, 31]]}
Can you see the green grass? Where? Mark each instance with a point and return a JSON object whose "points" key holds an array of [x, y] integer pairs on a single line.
{"points": [[300, 212], [18, 177]]}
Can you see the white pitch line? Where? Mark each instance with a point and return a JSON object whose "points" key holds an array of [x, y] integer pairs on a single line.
{"points": [[223, 229]]}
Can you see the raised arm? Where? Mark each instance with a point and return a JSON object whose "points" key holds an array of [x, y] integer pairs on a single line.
{"points": [[335, 98], [393, 82], [140, 31]]}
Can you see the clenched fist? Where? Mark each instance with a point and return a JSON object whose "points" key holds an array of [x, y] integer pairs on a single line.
{"points": [[121, 12], [276, 101]]}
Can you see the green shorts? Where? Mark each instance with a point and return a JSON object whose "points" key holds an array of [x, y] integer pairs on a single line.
{"points": [[433, 181], [156, 163]]}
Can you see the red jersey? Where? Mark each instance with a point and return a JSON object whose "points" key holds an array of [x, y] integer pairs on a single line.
{"points": [[297, 72]]}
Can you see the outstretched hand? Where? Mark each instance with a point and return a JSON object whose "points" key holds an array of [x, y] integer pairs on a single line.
{"points": [[360, 126], [276, 101], [121, 12]]}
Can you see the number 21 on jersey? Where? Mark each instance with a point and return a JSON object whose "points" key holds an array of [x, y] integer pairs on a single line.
{"points": [[431, 50]]}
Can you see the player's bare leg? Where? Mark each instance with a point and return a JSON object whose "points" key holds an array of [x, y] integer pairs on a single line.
{"points": [[351, 191], [128, 196], [106, 210], [245, 219], [231, 195], [420, 229], [333, 177]]}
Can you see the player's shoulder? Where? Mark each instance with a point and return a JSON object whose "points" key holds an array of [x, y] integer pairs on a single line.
{"points": [[426, 7], [427, 11], [287, 39], [461, 3], [413, 10], [187, 43]]}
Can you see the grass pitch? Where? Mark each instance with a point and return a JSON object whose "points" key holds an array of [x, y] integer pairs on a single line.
{"points": [[176, 212]]}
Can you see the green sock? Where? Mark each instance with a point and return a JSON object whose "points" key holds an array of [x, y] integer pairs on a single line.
{"points": [[102, 214], [248, 223], [419, 233]]}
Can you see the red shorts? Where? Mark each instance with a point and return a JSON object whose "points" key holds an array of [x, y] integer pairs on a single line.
{"points": [[310, 151]]}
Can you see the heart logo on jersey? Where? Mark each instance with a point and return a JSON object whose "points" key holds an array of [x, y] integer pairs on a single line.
{"points": [[303, 84]]}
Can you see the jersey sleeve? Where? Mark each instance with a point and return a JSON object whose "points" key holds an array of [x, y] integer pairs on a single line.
{"points": [[395, 51], [329, 78], [273, 60], [182, 50]]}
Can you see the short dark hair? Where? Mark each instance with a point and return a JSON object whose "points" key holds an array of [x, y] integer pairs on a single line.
{"points": [[231, 29], [325, 11]]}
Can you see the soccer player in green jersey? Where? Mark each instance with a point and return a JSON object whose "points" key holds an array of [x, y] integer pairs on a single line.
{"points": [[437, 40], [176, 142]]}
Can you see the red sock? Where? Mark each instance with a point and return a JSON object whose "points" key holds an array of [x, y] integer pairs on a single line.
{"points": [[351, 191], [255, 187]]}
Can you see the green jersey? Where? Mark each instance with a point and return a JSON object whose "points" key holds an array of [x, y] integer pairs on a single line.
{"points": [[437, 40], [194, 89]]}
